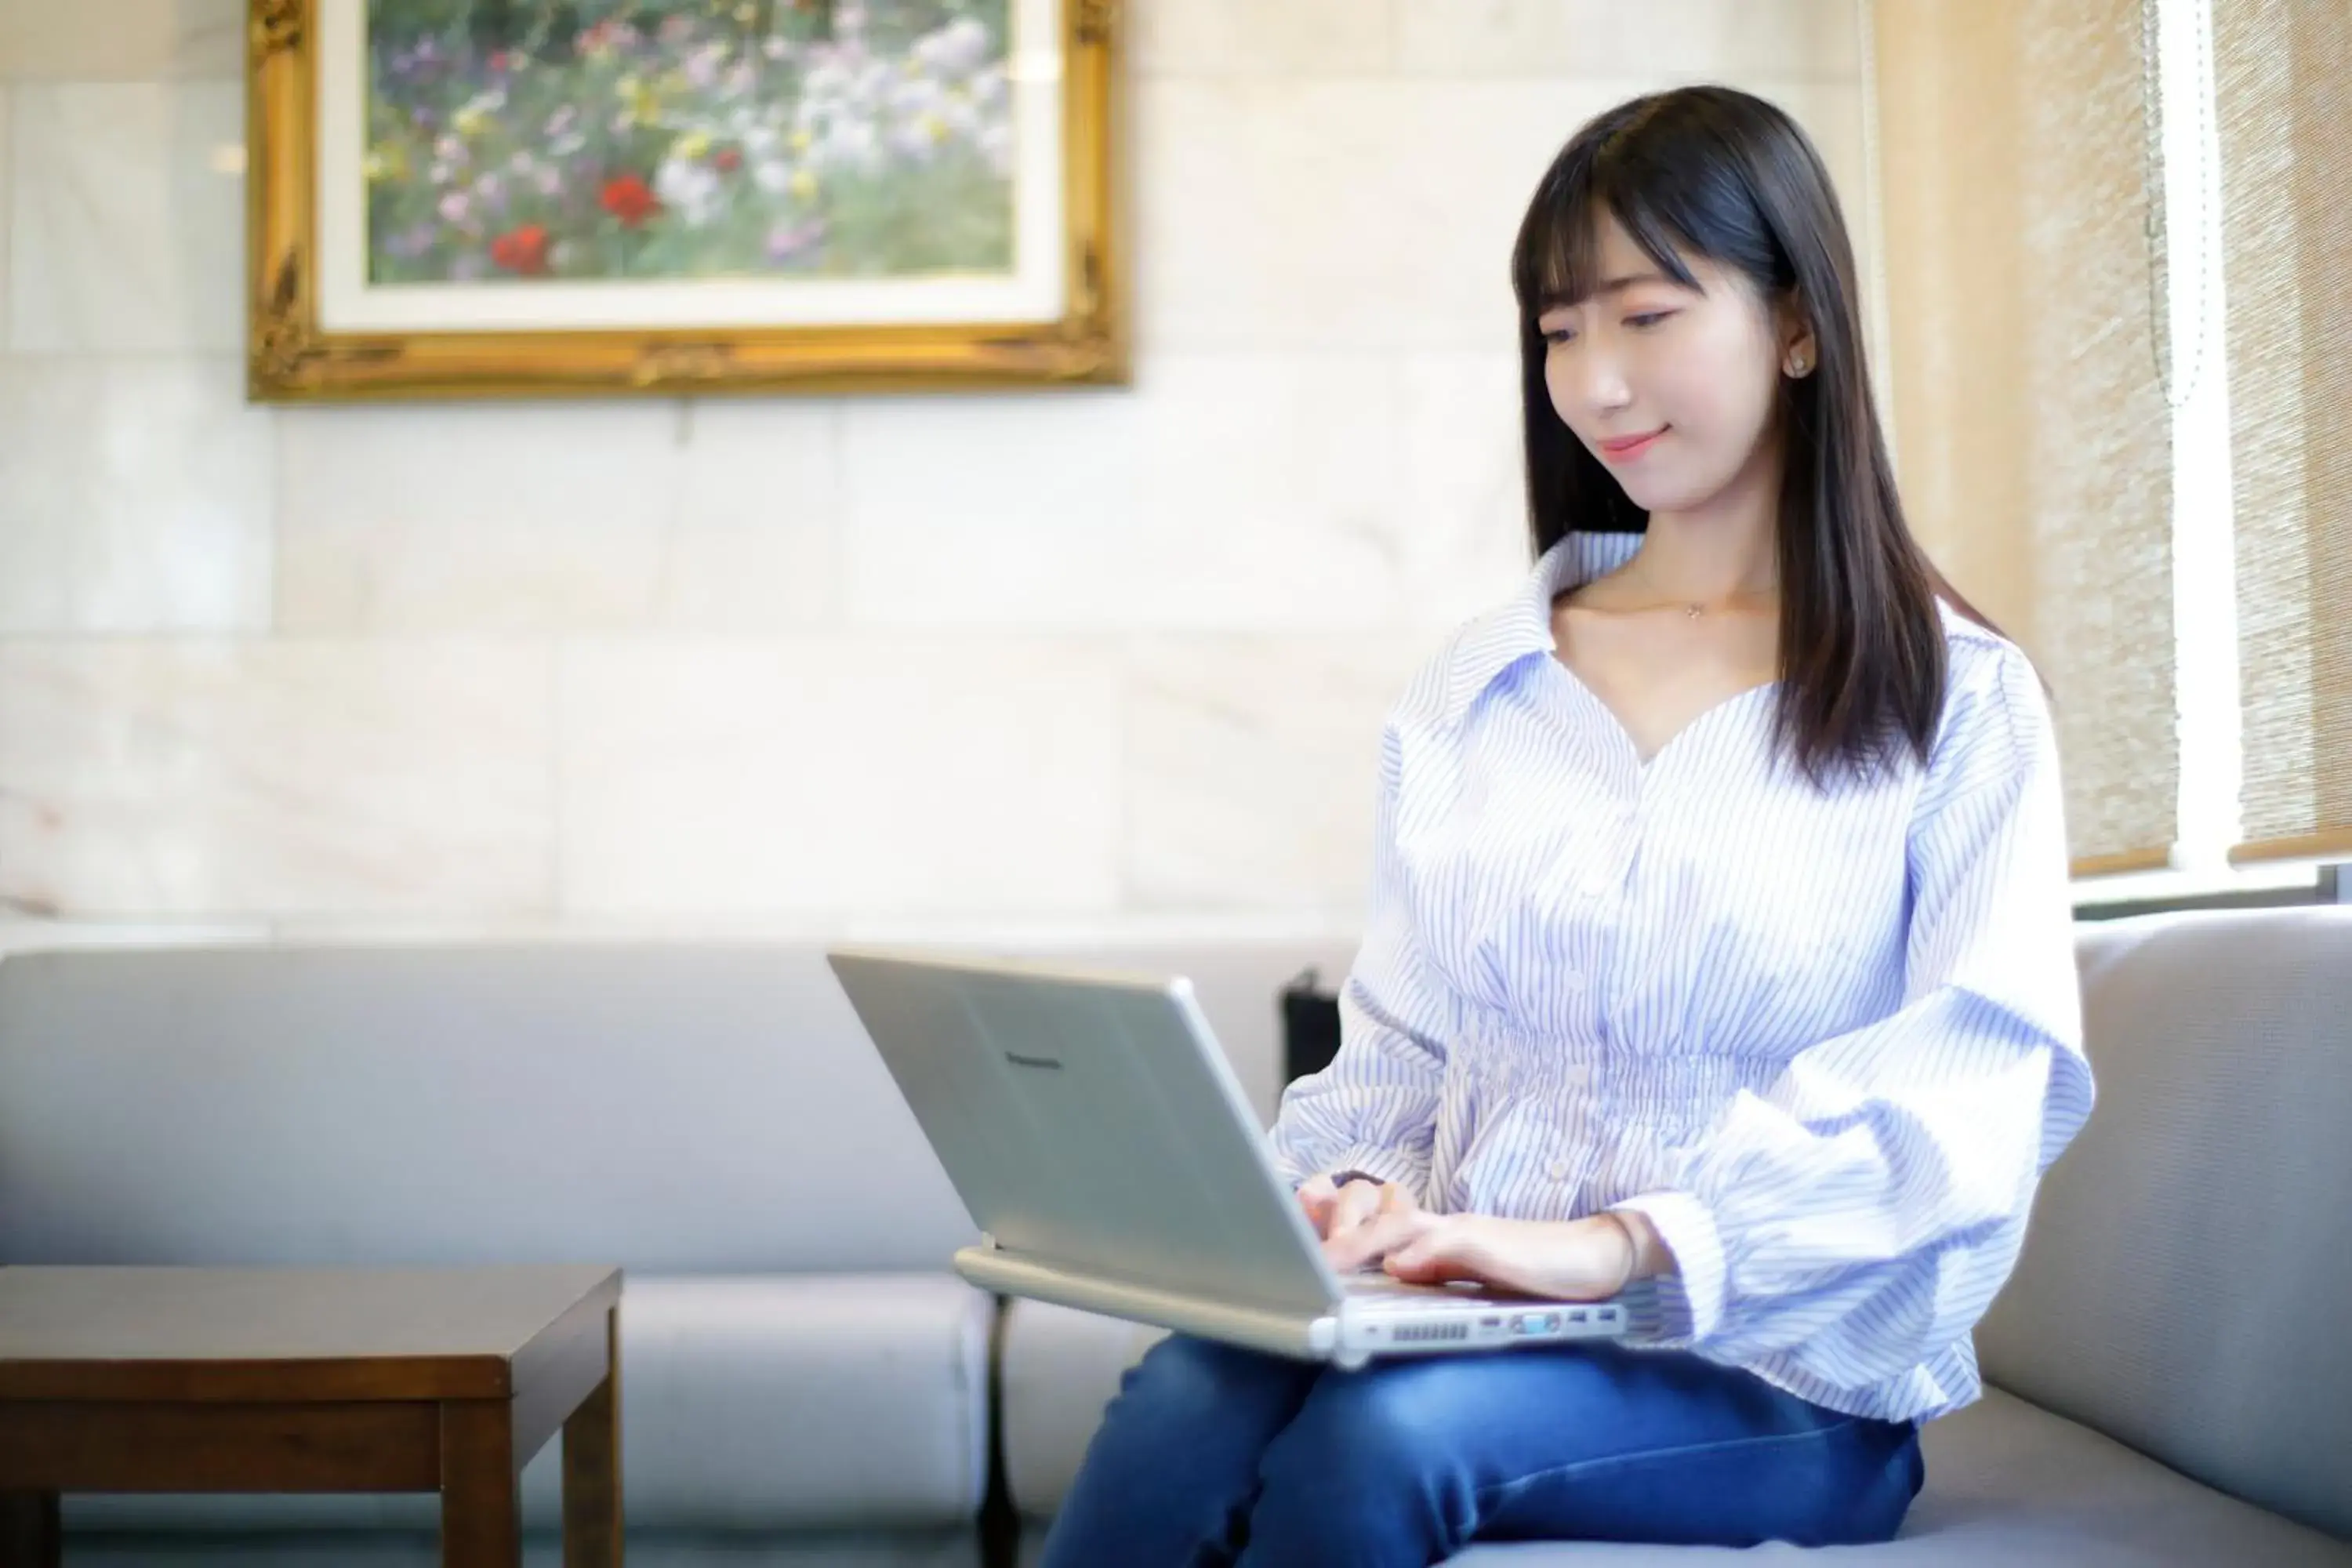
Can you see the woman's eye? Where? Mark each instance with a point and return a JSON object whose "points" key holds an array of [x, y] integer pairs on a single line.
{"points": [[1647, 318], [1558, 335]]}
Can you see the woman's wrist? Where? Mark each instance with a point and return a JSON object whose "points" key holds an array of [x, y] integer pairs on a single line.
{"points": [[1647, 1253]]}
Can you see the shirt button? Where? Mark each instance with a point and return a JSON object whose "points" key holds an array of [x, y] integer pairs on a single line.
{"points": [[1558, 1169]]}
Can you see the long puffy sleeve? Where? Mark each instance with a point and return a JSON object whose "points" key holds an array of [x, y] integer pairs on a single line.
{"points": [[1852, 1221], [1374, 1108]]}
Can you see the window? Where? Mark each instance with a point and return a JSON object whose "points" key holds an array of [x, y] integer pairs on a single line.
{"points": [[2119, 328]]}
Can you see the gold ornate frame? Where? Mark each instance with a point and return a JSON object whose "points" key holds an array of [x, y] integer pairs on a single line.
{"points": [[291, 359]]}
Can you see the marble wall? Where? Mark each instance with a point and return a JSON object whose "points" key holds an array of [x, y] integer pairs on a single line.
{"points": [[1080, 664]]}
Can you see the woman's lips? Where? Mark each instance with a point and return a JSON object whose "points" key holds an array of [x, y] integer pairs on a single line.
{"points": [[1625, 448]]}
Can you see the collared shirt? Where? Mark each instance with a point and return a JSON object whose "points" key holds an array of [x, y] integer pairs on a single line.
{"points": [[1827, 1040]]}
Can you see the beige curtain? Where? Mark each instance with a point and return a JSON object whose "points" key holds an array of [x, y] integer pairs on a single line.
{"points": [[2282, 72], [2018, 174]]}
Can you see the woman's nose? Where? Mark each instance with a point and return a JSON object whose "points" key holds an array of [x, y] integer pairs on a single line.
{"points": [[1595, 382]]}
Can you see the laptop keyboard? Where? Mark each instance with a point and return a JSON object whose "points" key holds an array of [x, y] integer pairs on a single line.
{"points": [[1380, 1290]]}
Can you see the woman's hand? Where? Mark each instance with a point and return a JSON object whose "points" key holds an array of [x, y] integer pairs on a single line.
{"points": [[1366, 1223], [1335, 1210], [1569, 1260]]}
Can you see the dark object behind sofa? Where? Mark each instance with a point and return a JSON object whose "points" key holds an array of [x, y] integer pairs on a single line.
{"points": [[1310, 1028]]}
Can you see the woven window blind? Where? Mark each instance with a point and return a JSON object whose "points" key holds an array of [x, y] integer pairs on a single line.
{"points": [[2021, 185], [2283, 74]]}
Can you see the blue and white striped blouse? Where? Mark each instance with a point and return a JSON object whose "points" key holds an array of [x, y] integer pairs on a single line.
{"points": [[1827, 1042]]}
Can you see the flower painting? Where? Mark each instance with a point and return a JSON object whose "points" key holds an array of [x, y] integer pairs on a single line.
{"points": [[629, 196], [687, 139]]}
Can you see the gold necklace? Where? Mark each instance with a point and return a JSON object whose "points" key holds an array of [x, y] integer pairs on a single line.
{"points": [[1694, 609]]}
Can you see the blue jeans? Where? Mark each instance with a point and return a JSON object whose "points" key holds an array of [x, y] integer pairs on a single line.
{"points": [[1211, 1455]]}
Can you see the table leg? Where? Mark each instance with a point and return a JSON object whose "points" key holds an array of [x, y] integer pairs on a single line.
{"points": [[30, 1533], [481, 1506], [592, 1467]]}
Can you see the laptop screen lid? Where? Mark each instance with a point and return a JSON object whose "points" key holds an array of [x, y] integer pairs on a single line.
{"points": [[1090, 1122]]}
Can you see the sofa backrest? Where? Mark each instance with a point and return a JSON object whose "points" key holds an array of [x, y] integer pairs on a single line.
{"points": [[668, 1109], [672, 1109], [2188, 1271]]}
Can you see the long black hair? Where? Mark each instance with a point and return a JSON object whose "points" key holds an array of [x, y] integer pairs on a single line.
{"points": [[1715, 173]]}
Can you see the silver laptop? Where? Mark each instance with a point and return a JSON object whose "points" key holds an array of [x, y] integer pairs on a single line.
{"points": [[1096, 1133]]}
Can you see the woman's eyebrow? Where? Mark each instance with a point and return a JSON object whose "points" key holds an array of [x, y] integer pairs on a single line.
{"points": [[1557, 301]]}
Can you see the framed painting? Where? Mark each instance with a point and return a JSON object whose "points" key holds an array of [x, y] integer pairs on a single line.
{"points": [[539, 197]]}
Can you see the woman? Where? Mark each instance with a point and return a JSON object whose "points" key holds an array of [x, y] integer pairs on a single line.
{"points": [[1719, 956]]}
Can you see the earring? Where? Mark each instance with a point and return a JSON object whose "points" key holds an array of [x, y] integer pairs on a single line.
{"points": [[1800, 364]]}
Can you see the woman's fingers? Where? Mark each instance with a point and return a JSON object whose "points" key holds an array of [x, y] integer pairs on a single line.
{"points": [[1394, 1221], [1424, 1260], [1317, 1195], [1331, 1208], [1445, 1250], [1353, 1207]]}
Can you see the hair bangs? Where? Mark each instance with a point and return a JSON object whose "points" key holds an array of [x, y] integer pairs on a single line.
{"points": [[1557, 260]]}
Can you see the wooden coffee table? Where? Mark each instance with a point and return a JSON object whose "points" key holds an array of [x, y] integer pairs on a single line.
{"points": [[201, 1380]]}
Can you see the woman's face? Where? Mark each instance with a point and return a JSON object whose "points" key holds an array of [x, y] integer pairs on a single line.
{"points": [[1671, 387]]}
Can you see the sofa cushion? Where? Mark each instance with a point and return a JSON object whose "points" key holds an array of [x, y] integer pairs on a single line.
{"points": [[2185, 1272], [756, 1403], [668, 1109], [422, 1549], [819, 1401], [2009, 1485]]}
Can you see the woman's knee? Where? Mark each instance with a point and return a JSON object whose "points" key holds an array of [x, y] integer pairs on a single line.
{"points": [[1183, 1383], [1379, 1426], [1365, 1474], [1199, 1409]]}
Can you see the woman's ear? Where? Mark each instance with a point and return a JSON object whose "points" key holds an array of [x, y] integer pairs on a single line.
{"points": [[1794, 333]]}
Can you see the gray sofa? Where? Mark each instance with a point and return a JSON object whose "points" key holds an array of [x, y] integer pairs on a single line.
{"points": [[803, 1385]]}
